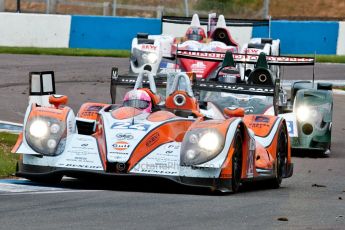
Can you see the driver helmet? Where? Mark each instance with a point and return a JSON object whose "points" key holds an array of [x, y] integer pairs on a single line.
{"points": [[195, 33], [138, 99]]}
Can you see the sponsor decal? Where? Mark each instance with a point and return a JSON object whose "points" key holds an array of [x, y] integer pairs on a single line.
{"points": [[48, 110], [121, 145], [259, 125], [119, 153], [152, 139], [87, 114], [83, 139], [124, 136], [83, 166], [252, 51], [262, 119], [129, 125], [148, 47], [171, 147], [243, 57], [234, 87], [94, 108], [198, 67]]}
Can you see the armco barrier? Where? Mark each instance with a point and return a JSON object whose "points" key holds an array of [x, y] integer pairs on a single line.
{"points": [[39, 30], [109, 32], [303, 37], [34, 30]]}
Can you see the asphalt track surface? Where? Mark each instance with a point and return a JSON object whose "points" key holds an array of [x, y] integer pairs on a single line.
{"points": [[313, 198]]}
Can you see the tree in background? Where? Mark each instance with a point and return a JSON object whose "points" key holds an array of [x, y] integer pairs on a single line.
{"points": [[232, 8]]}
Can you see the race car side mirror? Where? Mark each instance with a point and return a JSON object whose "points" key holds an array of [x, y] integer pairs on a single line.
{"points": [[234, 111], [42, 83], [58, 100]]}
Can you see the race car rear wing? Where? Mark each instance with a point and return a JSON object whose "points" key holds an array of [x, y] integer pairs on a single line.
{"points": [[204, 21], [263, 90], [245, 58], [129, 82], [176, 26]]}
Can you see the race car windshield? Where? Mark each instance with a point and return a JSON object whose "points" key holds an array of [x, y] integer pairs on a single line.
{"points": [[195, 37], [252, 104], [136, 103]]}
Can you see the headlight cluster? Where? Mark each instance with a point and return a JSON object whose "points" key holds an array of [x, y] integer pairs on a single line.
{"points": [[305, 113], [141, 58], [46, 135], [150, 57], [200, 146]]}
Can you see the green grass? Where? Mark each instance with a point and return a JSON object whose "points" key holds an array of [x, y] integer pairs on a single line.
{"points": [[330, 58], [338, 87], [8, 160], [323, 58], [64, 51]]}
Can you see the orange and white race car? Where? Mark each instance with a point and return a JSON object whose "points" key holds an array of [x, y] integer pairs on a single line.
{"points": [[151, 135]]}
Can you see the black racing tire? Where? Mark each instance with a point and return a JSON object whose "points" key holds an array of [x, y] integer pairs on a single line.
{"points": [[281, 159], [237, 160]]}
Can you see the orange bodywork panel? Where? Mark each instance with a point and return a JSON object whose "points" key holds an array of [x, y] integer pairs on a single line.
{"points": [[101, 142], [125, 113], [58, 100], [60, 113], [190, 104], [226, 171], [90, 110], [260, 124], [160, 116], [168, 132], [18, 143], [263, 159]]}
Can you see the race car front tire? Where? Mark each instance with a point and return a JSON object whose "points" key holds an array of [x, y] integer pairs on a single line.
{"points": [[237, 162], [281, 159]]}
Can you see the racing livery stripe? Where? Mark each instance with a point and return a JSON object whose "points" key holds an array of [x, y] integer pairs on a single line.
{"points": [[18, 143], [101, 143], [168, 132]]}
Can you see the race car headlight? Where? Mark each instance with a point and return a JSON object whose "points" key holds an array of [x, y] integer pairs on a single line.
{"points": [[46, 135], [305, 113], [200, 146], [38, 129], [150, 57]]}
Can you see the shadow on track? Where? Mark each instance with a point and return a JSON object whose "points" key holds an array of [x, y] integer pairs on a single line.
{"points": [[148, 185]]}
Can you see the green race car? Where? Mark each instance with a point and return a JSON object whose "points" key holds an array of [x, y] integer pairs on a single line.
{"points": [[308, 111], [313, 108]]}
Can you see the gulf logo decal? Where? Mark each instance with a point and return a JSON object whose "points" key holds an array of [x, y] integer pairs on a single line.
{"points": [[121, 145]]}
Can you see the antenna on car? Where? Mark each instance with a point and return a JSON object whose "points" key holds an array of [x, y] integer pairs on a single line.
{"points": [[245, 64], [176, 57], [269, 26], [314, 68]]}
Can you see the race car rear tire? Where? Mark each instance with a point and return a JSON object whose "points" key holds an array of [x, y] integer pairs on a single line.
{"points": [[281, 159], [237, 159]]}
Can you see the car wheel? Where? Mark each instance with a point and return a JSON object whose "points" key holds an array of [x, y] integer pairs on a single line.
{"points": [[237, 163], [281, 159]]}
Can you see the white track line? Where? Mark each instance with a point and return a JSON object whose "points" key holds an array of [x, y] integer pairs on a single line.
{"points": [[46, 192]]}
